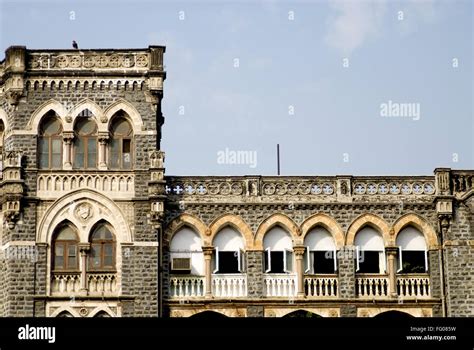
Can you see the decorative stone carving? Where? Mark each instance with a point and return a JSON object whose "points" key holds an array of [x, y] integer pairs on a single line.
{"points": [[83, 212]]}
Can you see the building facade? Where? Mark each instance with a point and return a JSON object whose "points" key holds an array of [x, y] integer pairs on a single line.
{"points": [[92, 227]]}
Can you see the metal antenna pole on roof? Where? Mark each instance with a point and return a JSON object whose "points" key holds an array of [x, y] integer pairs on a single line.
{"points": [[278, 159]]}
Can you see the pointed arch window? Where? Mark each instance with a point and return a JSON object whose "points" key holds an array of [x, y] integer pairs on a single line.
{"points": [[120, 151], [85, 143], [50, 143], [102, 255], [65, 249]]}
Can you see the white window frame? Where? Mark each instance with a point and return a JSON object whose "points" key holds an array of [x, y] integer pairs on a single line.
{"points": [[383, 259], [286, 252], [308, 260], [216, 266], [426, 261], [334, 252], [357, 258], [269, 260], [400, 259], [240, 260]]}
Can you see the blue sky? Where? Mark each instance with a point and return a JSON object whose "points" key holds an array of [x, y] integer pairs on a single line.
{"points": [[290, 58]]}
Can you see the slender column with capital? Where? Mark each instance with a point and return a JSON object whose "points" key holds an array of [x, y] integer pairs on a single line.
{"points": [[84, 249], [299, 253], [103, 139], [68, 136], [392, 273], [208, 269]]}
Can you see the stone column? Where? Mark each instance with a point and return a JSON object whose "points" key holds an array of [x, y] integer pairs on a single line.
{"points": [[392, 272], [299, 253], [83, 249], [208, 269], [102, 151], [68, 136]]}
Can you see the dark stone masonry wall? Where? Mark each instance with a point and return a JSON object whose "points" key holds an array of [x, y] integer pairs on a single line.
{"points": [[459, 263]]}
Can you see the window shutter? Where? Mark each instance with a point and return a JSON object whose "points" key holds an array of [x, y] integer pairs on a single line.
{"points": [[216, 260], [335, 259], [308, 261], [357, 259], [426, 261], [382, 262], [240, 260], [400, 260], [269, 260], [287, 260]]}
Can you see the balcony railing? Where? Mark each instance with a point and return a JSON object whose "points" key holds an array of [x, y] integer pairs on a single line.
{"points": [[54, 185], [187, 286], [413, 286], [102, 283], [280, 285], [372, 286], [69, 283], [229, 285], [66, 283], [319, 286]]}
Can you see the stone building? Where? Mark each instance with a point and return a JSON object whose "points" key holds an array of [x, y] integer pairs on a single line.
{"points": [[91, 226]]}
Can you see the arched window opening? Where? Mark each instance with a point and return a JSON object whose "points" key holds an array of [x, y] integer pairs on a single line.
{"points": [[278, 247], [65, 250], [370, 251], [228, 251], [321, 253], [186, 253], [412, 252], [85, 143], [64, 314], [50, 142], [102, 254], [120, 149]]}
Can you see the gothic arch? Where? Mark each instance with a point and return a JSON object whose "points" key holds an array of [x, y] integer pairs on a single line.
{"points": [[74, 206], [67, 309], [274, 220], [234, 221], [4, 119], [127, 107], [101, 309], [93, 107], [39, 113], [328, 223], [186, 220], [369, 220], [420, 224]]}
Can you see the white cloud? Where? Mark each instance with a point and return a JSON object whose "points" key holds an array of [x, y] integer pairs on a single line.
{"points": [[355, 23]]}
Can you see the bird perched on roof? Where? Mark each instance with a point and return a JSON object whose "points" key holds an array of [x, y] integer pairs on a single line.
{"points": [[74, 44]]}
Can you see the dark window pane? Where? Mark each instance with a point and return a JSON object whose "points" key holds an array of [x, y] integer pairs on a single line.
{"points": [[114, 153], [228, 262], [108, 261], [413, 261], [72, 263], [51, 126], [277, 262], [126, 153], [43, 149], [72, 251], [108, 249], [369, 262], [85, 126], [58, 262], [59, 250], [79, 153], [323, 262], [56, 153], [92, 153]]}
